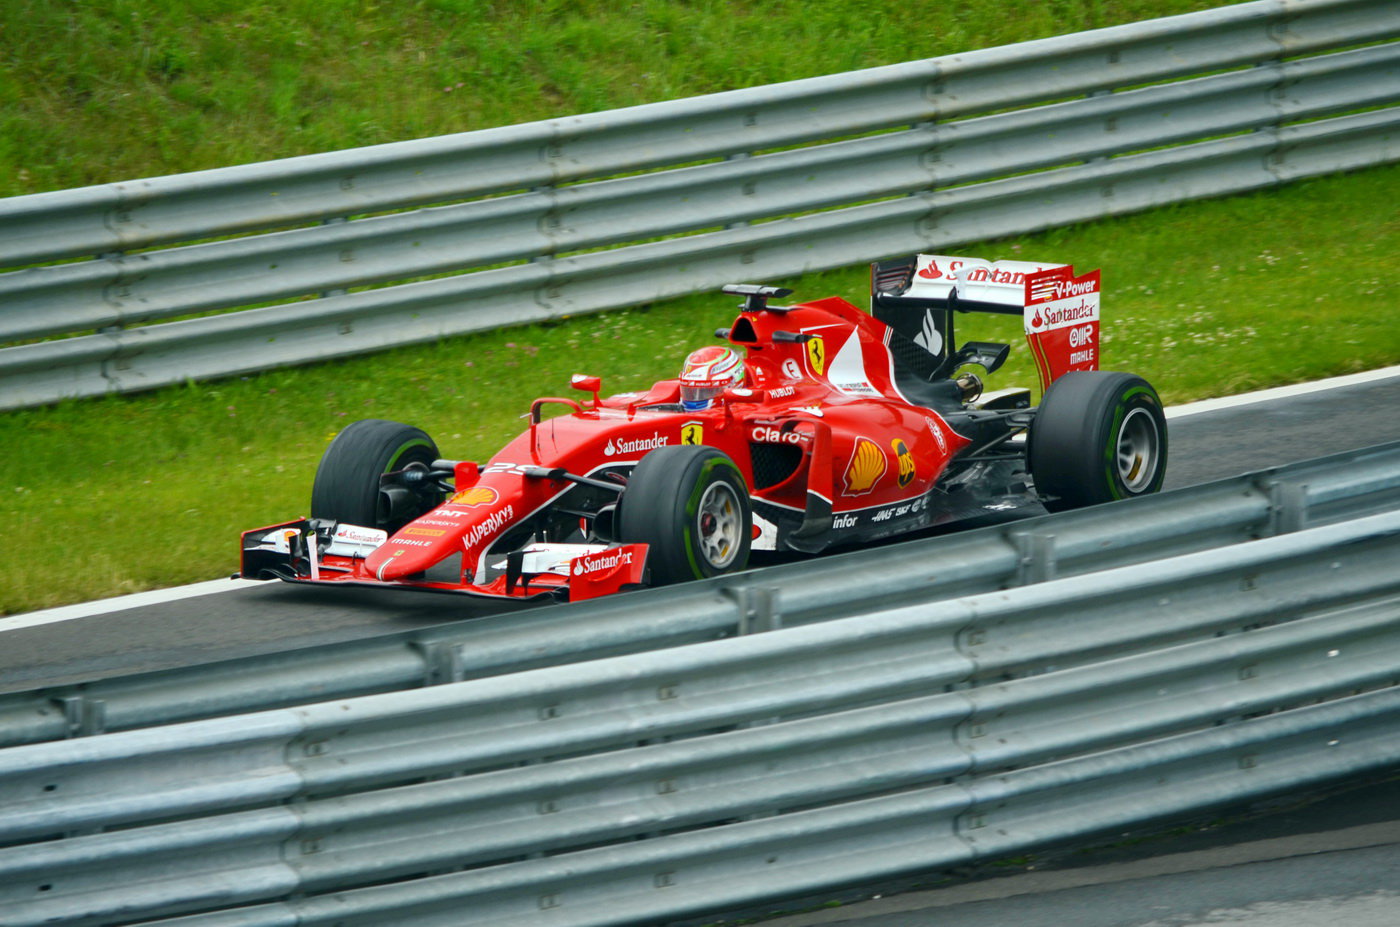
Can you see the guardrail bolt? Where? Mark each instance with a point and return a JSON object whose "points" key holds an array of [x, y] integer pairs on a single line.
{"points": [[549, 712], [549, 901], [663, 879]]}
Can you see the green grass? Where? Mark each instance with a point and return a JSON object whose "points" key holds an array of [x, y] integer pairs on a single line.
{"points": [[93, 91], [123, 494]]}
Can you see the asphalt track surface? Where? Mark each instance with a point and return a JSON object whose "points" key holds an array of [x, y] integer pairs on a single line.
{"points": [[1328, 861], [273, 617]]}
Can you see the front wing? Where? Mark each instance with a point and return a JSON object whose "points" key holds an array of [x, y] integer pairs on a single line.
{"points": [[324, 553]]}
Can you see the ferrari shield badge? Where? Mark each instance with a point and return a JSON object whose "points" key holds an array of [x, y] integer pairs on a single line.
{"points": [[816, 355]]}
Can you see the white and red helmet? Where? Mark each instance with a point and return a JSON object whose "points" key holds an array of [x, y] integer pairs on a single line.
{"points": [[707, 373]]}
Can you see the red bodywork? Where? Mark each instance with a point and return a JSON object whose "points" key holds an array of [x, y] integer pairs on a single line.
{"points": [[832, 450]]}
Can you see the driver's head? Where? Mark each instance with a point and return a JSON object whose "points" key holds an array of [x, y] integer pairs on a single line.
{"points": [[707, 373]]}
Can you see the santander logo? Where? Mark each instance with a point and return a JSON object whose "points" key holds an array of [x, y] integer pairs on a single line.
{"points": [[639, 445], [597, 563]]}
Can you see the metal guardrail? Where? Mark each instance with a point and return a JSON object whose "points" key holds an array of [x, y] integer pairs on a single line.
{"points": [[1205, 517], [643, 787], [549, 200]]}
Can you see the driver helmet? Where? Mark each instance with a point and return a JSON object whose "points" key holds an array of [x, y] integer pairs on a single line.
{"points": [[707, 373]]}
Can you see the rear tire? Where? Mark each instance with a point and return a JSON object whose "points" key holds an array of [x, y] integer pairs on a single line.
{"points": [[347, 486], [691, 505], [1097, 437]]}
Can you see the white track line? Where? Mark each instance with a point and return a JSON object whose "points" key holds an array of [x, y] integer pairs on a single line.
{"points": [[159, 596], [1282, 392], [123, 602]]}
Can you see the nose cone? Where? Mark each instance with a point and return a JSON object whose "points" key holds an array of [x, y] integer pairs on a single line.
{"points": [[415, 548], [467, 523]]}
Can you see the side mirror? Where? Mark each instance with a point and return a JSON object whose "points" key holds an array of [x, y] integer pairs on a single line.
{"points": [[743, 394], [588, 385]]}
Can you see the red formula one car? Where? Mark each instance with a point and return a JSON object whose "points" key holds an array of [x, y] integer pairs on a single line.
{"points": [[814, 425]]}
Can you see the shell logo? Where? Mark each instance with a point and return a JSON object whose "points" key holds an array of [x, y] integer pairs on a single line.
{"points": [[906, 462], [477, 495], [867, 465]]}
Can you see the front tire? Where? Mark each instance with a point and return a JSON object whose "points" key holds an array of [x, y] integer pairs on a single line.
{"points": [[691, 506], [347, 487], [1097, 437]]}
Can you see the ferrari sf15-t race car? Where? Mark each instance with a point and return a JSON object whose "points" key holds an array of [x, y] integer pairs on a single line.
{"points": [[812, 426]]}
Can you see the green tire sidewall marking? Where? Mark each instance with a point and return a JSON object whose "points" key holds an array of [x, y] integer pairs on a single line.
{"points": [[403, 449], [692, 507], [1111, 446]]}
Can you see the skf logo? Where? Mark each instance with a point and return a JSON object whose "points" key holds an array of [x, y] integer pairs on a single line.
{"points": [[906, 462], [693, 433], [867, 465], [477, 495], [816, 355]]}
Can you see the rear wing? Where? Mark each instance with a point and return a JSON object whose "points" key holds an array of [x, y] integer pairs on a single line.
{"points": [[916, 296]]}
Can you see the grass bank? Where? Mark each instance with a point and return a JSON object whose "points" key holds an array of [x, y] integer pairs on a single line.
{"points": [[93, 91], [123, 494]]}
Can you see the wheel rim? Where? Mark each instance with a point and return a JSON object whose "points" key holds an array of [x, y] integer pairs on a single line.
{"points": [[1138, 449], [719, 521]]}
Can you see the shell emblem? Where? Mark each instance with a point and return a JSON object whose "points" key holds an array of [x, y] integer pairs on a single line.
{"points": [[477, 495], [906, 462], [867, 465]]}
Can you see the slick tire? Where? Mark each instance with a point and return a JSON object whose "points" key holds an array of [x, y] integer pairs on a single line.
{"points": [[347, 488], [1097, 437], [691, 505]]}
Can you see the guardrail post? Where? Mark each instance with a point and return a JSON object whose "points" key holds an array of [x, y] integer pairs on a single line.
{"points": [[758, 608], [1037, 557], [442, 663], [1288, 507], [84, 716]]}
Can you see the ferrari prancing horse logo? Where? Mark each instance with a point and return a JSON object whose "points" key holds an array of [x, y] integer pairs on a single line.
{"points": [[693, 433], [816, 355]]}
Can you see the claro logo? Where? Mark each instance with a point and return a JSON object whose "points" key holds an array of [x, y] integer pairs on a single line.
{"points": [[770, 435]]}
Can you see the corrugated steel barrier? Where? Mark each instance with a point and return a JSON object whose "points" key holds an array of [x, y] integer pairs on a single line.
{"points": [[1203, 517], [923, 732], [549, 219]]}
